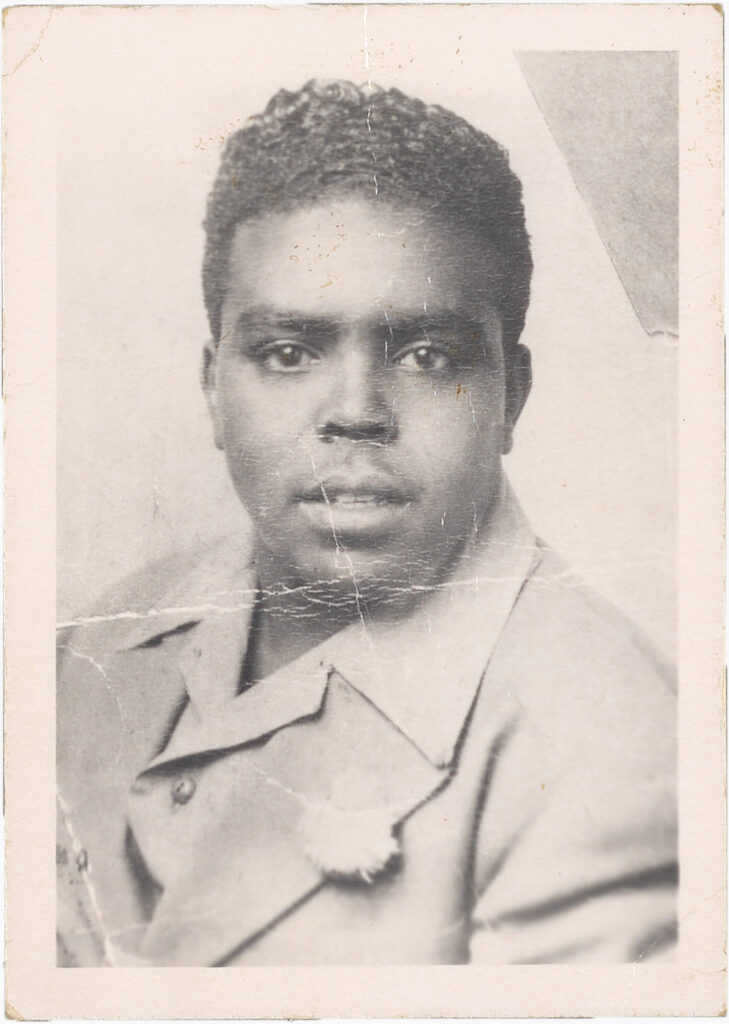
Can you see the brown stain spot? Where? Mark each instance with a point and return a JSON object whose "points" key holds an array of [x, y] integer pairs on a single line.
{"points": [[11, 1013]]}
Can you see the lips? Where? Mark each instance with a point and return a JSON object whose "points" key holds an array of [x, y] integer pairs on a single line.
{"points": [[357, 489], [352, 508], [351, 498]]}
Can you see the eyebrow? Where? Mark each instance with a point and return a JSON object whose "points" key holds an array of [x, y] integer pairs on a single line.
{"points": [[439, 320], [264, 317]]}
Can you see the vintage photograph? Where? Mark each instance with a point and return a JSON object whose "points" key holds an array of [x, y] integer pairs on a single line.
{"points": [[384, 722], [367, 521]]}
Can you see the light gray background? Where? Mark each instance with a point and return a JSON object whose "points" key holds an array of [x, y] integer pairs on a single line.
{"points": [[594, 460]]}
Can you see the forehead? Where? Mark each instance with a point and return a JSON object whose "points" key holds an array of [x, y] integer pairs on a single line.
{"points": [[354, 258]]}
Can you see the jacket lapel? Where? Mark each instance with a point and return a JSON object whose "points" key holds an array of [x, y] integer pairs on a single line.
{"points": [[120, 694], [320, 802], [114, 711]]}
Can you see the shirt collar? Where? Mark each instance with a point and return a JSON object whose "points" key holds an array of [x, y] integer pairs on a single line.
{"points": [[423, 672], [221, 586]]}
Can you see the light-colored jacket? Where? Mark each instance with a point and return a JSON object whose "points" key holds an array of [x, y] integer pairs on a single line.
{"points": [[490, 780]]}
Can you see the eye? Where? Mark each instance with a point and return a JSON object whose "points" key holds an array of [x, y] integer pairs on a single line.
{"points": [[286, 357], [422, 357]]}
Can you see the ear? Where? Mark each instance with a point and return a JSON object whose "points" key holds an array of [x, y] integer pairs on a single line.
{"points": [[518, 386], [208, 379]]}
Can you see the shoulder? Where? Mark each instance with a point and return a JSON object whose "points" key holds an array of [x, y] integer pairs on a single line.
{"points": [[156, 599], [571, 656], [592, 710], [117, 664], [581, 809]]}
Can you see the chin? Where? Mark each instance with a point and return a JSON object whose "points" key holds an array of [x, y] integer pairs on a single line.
{"points": [[351, 568], [361, 578]]}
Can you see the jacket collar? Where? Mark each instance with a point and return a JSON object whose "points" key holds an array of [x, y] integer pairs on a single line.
{"points": [[422, 673]]}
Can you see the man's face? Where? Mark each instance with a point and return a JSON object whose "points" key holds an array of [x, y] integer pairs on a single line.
{"points": [[359, 393]]}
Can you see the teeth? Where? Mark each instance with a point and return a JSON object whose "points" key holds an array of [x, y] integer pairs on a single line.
{"points": [[355, 499], [350, 498]]}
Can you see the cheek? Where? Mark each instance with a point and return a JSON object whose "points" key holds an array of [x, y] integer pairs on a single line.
{"points": [[266, 434], [455, 428], [248, 439], [256, 407]]}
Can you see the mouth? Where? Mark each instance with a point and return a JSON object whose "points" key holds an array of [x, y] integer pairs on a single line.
{"points": [[352, 498], [354, 510]]}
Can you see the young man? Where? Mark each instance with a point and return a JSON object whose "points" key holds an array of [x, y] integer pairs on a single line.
{"points": [[387, 726]]}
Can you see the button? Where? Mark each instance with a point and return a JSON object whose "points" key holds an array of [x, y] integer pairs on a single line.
{"points": [[183, 789], [82, 860]]}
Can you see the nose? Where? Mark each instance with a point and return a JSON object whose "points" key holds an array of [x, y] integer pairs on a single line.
{"points": [[359, 406]]}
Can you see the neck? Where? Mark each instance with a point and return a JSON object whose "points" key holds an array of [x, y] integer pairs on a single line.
{"points": [[292, 618]]}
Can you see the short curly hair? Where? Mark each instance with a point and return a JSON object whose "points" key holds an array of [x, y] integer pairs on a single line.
{"points": [[334, 137]]}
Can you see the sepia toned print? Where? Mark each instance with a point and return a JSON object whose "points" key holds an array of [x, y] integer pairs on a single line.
{"points": [[385, 723], [364, 398]]}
